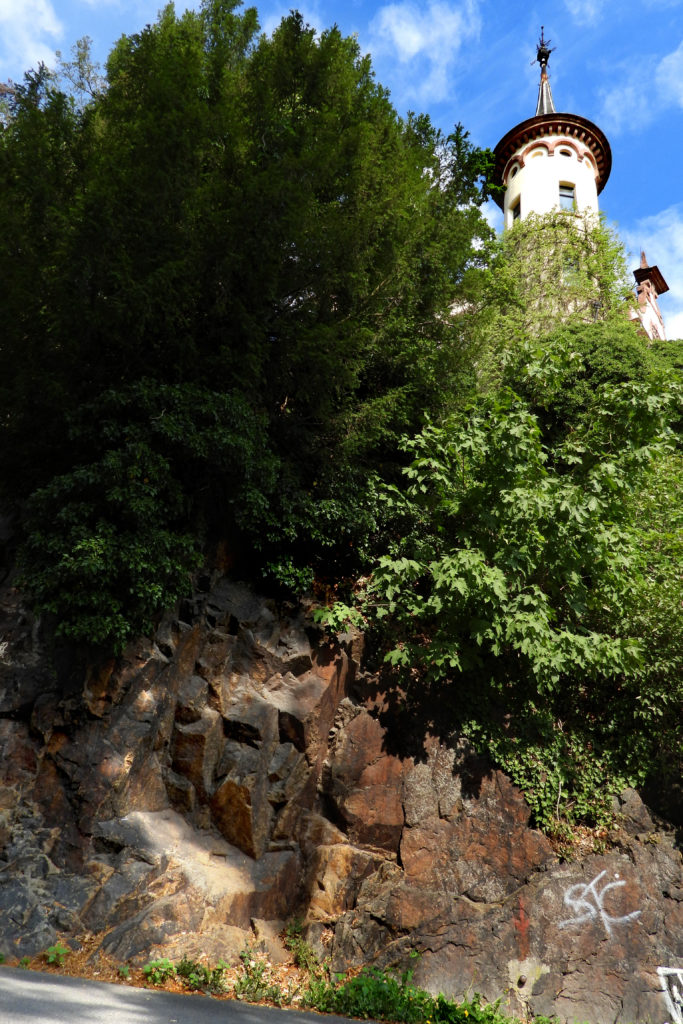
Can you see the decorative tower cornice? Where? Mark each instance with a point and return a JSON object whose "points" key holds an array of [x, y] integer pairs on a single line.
{"points": [[547, 126]]}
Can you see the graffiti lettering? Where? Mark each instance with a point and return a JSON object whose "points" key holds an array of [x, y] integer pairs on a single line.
{"points": [[672, 986], [586, 903]]}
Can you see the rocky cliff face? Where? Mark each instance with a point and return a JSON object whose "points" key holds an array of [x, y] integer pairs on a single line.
{"points": [[239, 769]]}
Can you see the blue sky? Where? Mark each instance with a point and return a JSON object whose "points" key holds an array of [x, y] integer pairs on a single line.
{"points": [[617, 62]]}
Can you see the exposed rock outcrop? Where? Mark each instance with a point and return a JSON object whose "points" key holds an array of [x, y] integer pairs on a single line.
{"points": [[190, 796]]}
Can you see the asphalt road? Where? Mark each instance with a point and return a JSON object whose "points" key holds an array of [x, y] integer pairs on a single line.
{"points": [[29, 996]]}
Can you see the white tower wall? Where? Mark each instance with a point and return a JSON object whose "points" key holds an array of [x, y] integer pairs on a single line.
{"points": [[536, 170]]}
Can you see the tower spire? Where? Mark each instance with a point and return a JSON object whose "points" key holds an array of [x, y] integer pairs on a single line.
{"points": [[545, 103]]}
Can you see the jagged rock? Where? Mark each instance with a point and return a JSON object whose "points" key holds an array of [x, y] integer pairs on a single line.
{"points": [[37, 899], [181, 792], [249, 719], [240, 804], [187, 798], [19, 754], [635, 817], [232, 604], [545, 947], [363, 784], [217, 655], [267, 937], [212, 942], [193, 700], [242, 812], [196, 750], [335, 874], [484, 853], [177, 880], [307, 704]]}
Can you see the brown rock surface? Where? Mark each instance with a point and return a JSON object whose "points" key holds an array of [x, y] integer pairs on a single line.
{"points": [[192, 795], [364, 784]]}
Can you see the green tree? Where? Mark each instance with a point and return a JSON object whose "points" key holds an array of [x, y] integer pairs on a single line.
{"points": [[652, 712], [82, 76], [532, 583], [39, 155], [232, 217]]}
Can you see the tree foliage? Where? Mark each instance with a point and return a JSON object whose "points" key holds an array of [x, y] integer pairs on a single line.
{"points": [[533, 579], [245, 302], [238, 239]]}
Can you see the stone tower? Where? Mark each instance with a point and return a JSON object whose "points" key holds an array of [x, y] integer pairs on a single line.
{"points": [[649, 285], [551, 161]]}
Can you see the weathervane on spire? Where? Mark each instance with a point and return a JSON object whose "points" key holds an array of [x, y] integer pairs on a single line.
{"points": [[543, 50], [545, 103]]}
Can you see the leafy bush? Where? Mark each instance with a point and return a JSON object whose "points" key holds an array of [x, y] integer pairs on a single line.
{"points": [[254, 983], [56, 954], [510, 586], [103, 550], [302, 952], [158, 972], [381, 995], [200, 977]]}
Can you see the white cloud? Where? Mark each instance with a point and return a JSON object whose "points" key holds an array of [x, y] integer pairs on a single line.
{"points": [[585, 12], [29, 30], [669, 76], [425, 40], [628, 104], [661, 236], [625, 106]]}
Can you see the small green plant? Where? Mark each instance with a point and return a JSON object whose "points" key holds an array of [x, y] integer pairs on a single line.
{"points": [[2, 958], [303, 953], [124, 971], [194, 975], [216, 982], [56, 954], [25, 961], [254, 984], [200, 977], [159, 971], [339, 617]]}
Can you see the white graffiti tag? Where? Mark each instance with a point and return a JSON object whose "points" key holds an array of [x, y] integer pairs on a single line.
{"points": [[586, 903], [672, 986]]}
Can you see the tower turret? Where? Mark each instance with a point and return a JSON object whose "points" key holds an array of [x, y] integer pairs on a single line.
{"points": [[649, 285], [551, 161]]}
